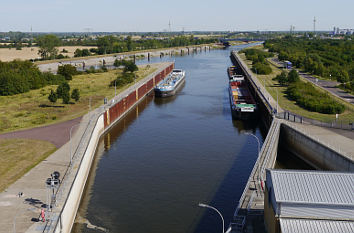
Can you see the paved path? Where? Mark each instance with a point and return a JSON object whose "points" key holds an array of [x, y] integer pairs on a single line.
{"points": [[58, 134], [340, 140], [328, 85]]}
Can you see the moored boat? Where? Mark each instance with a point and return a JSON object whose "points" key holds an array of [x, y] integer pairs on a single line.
{"points": [[242, 103], [171, 84]]}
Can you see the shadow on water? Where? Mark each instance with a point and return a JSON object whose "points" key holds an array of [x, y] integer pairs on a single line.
{"points": [[234, 182], [166, 100]]}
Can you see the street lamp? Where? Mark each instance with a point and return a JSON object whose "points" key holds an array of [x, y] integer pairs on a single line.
{"points": [[213, 208], [71, 153], [259, 144]]}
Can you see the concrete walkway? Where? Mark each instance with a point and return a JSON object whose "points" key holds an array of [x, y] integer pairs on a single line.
{"points": [[17, 213], [341, 141]]}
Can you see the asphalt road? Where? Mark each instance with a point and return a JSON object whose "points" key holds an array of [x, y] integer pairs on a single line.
{"points": [[327, 85]]}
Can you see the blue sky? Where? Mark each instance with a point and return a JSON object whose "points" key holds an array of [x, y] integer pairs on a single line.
{"points": [[154, 15]]}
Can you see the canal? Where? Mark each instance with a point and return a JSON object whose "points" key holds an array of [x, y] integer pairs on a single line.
{"points": [[167, 155]]}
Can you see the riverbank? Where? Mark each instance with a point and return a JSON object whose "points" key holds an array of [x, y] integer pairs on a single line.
{"points": [[80, 153], [276, 90]]}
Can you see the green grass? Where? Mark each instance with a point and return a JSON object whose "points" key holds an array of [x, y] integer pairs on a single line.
{"points": [[18, 156], [273, 87], [33, 108]]}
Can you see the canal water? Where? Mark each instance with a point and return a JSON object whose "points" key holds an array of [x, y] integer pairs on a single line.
{"points": [[167, 155]]}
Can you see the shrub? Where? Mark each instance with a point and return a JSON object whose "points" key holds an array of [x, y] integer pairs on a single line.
{"points": [[75, 94], [261, 68], [311, 99], [53, 96], [67, 71]]}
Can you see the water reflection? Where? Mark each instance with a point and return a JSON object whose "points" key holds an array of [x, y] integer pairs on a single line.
{"points": [[168, 155]]}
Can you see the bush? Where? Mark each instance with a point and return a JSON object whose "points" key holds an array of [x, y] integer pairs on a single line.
{"points": [[21, 76], [75, 94], [67, 71], [311, 99], [261, 68], [293, 76], [282, 78], [53, 96], [63, 89], [122, 80]]}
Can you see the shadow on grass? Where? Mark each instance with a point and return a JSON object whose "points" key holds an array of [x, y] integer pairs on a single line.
{"points": [[50, 106]]}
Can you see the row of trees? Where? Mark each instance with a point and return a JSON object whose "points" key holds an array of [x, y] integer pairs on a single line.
{"points": [[127, 76], [285, 79], [63, 92], [111, 44], [306, 95], [259, 62], [328, 58], [21, 76]]}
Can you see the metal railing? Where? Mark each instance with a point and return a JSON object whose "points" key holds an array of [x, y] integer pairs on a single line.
{"points": [[81, 146], [337, 124]]}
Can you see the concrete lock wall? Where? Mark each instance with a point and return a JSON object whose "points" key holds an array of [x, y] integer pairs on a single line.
{"points": [[105, 120], [313, 152], [70, 209]]}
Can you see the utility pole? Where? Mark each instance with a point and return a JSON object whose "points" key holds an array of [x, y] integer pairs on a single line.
{"points": [[314, 24]]}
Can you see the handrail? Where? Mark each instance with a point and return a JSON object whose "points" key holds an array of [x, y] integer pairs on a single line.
{"points": [[94, 115]]}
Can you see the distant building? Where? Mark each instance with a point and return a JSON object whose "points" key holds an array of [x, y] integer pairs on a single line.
{"points": [[309, 201], [338, 31]]}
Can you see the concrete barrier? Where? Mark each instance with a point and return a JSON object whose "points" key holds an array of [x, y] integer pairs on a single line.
{"points": [[313, 152]]}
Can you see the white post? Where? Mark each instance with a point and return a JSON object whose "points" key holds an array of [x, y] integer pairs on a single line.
{"points": [[213, 208]]}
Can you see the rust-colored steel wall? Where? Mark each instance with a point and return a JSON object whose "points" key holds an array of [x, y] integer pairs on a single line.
{"points": [[131, 99], [142, 91], [150, 84], [105, 120], [119, 108]]}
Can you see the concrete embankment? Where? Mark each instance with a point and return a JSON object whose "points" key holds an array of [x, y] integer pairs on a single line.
{"points": [[319, 147], [108, 60], [266, 103]]}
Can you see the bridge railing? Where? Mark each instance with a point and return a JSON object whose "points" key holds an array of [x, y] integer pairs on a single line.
{"points": [[337, 124]]}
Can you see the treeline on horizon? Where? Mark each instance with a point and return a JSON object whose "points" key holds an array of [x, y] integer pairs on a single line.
{"points": [[328, 58]]}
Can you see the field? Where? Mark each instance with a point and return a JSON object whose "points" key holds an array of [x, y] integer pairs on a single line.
{"points": [[32, 53], [273, 87], [18, 156], [33, 108]]}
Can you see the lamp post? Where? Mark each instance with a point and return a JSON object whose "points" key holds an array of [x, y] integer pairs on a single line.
{"points": [[259, 144], [71, 154], [213, 208], [20, 194]]}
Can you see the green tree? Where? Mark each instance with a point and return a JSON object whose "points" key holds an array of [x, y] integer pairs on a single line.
{"points": [[293, 76], [75, 94], [63, 89], [67, 71], [53, 96], [47, 46], [66, 97], [282, 78], [130, 67]]}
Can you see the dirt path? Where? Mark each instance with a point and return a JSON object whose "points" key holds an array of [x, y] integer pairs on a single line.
{"points": [[58, 134]]}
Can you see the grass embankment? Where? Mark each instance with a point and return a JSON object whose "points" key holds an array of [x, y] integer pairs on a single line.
{"points": [[273, 87], [33, 108], [18, 156]]}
